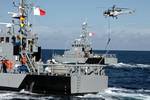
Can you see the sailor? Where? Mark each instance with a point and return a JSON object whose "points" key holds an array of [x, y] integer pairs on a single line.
{"points": [[4, 66], [23, 59], [30, 45], [23, 43], [13, 39], [7, 65], [23, 67], [1, 65], [18, 41]]}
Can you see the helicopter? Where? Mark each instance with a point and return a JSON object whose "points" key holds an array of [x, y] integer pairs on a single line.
{"points": [[114, 12]]}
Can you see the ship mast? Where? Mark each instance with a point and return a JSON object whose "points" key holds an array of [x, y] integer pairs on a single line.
{"points": [[85, 32], [85, 39], [21, 8], [26, 43]]}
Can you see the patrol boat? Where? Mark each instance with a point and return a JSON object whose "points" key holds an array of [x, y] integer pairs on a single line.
{"points": [[21, 67], [82, 52]]}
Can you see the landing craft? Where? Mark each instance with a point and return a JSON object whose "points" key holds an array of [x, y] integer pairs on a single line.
{"points": [[114, 11]]}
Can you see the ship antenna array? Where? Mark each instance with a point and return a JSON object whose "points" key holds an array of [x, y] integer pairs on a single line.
{"points": [[85, 32], [23, 11]]}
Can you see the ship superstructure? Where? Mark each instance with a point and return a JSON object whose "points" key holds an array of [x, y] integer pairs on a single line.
{"points": [[21, 67], [19, 41], [82, 52]]}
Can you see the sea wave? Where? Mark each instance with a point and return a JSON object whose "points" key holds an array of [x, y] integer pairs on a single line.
{"points": [[120, 94], [123, 65], [109, 94], [27, 92], [6, 96], [23, 95]]}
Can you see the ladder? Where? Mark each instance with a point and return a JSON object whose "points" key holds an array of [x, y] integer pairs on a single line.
{"points": [[30, 64], [78, 83]]}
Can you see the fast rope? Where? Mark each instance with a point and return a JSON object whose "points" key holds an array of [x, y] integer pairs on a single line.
{"points": [[109, 37]]}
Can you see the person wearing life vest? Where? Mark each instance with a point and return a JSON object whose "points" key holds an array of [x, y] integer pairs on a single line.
{"points": [[23, 59], [7, 64]]}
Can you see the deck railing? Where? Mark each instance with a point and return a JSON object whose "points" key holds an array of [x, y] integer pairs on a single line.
{"points": [[71, 69]]}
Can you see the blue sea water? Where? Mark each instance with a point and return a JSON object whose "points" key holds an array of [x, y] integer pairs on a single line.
{"points": [[128, 80]]}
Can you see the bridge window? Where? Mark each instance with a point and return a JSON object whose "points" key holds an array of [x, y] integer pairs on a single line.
{"points": [[1, 39], [7, 39]]}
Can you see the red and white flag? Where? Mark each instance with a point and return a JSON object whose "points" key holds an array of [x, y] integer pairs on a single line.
{"points": [[38, 11]]}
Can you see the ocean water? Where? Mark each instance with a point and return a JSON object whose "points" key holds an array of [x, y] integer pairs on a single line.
{"points": [[128, 80]]}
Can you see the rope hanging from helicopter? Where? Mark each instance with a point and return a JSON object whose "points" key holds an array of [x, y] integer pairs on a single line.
{"points": [[108, 40], [109, 37], [114, 12]]}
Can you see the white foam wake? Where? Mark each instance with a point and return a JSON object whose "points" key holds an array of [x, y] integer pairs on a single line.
{"points": [[23, 95], [6, 96], [27, 92], [124, 65], [120, 94]]}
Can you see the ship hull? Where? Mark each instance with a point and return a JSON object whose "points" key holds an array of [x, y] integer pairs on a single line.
{"points": [[57, 85]]}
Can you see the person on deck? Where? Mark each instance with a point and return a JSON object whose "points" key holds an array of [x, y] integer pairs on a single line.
{"points": [[23, 67]]}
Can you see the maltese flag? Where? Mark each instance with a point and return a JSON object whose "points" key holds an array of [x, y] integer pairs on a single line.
{"points": [[91, 34], [38, 11]]}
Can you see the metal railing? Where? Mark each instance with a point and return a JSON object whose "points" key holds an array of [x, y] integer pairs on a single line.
{"points": [[72, 69], [106, 55]]}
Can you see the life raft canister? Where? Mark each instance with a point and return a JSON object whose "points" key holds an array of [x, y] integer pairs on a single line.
{"points": [[9, 64]]}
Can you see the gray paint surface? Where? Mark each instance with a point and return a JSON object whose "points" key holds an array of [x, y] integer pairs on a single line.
{"points": [[6, 50], [11, 80], [88, 83], [111, 60]]}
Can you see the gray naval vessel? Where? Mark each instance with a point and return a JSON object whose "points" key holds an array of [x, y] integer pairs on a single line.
{"points": [[82, 52], [21, 66]]}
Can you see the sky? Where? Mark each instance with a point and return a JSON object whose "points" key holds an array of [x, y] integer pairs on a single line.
{"points": [[63, 20]]}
